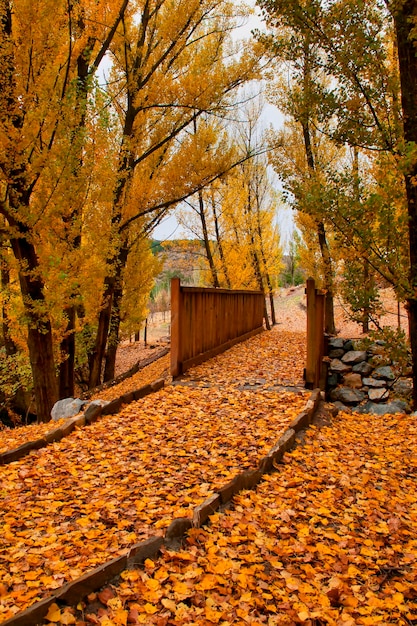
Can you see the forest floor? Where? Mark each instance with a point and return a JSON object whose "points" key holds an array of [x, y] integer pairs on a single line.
{"points": [[327, 538]]}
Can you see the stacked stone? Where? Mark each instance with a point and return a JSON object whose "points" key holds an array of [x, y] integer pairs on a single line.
{"points": [[364, 380]]}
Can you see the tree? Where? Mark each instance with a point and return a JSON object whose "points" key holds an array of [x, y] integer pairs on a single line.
{"points": [[368, 52], [159, 63], [41, 112]]}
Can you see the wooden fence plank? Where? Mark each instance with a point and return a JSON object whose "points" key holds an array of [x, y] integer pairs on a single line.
{"points": [[205, 322]]}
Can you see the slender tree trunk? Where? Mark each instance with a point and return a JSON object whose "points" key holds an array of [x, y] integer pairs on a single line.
{"points": [[220, 245], [67, 347], [265, 266], [329, 323], [255, 258], [114, 330], [207, 247], [405, 15], [321, 230], [366, 304]]}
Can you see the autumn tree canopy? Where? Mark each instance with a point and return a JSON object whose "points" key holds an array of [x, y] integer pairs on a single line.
{"points": [[351, 67], [87, 170]]}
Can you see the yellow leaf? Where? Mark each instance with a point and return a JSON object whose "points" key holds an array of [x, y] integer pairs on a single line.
{"points": [[68, 618], [303, 615], [54, 613], [247, 597], [150, 608], [120, 617], [169, 604], [208, 582], [222, 566], [181, 588], [152, 584]]}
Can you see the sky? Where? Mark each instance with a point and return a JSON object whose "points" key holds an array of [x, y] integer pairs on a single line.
{"points": [[169, 227]]}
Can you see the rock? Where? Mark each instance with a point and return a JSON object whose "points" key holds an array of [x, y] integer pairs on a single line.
{"points": [[68, 407], [354, 356], [363, 368], [373, 382], [94, 408], [403, 387], [396, 406], [342, 407], [378, 395], [352, 380], [348, 345], [384, 372], [336, 353], [347, 395], [332, 380], [337, 366], [336, 342]]}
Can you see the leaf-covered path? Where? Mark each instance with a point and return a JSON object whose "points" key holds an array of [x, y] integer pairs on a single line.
{"points": [[330, 538], [80, 502]]}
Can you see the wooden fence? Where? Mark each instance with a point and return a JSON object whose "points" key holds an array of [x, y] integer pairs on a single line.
{"points": [[316, 367], [205, 322]]}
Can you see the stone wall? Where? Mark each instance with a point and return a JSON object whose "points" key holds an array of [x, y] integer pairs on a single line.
{"points": [[366, 380]]}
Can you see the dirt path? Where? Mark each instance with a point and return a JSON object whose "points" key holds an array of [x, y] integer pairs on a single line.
{"points": [[75, 504]]}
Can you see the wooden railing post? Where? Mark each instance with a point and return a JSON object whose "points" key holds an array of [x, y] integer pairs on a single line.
{"points": [[319, 338], [311, 331], [176, 306]]}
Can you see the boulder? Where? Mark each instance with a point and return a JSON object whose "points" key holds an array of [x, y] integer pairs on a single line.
{"points": [[385, 372], [352, 380], [354, 356], [68, 407], [396, 406], [337, 366], [94, 408], [347, 395], [363, 368], [373, 382], [336, 353], [336, 343], [378, 395], [332, 380]]}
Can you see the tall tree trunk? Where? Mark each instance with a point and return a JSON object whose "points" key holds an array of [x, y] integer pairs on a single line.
{"points": [[329, 325], [66, 380], [39, 328], [114, 329], [220, 245], [367, 278], [321, 230], [405, 15], [265, 266], [255, 258], [209, 254], [324, 246]]}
